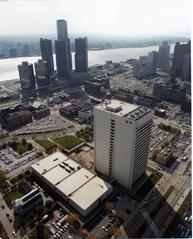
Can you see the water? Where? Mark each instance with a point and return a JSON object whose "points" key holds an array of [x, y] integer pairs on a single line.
{"points": [[9, 71]]}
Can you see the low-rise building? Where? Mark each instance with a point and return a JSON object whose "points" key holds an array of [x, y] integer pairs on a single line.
{"points": [[71, 182], [170, 92], [186, 106], [40, 113], [17, 119], [86, 114], [160, 112], [164, 156], [27, 203], [98, 86]]}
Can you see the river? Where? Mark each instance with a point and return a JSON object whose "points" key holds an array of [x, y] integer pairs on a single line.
{"points": [[9, 71]]}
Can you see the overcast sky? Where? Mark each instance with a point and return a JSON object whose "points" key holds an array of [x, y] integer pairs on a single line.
{"points": [[114, 17]]}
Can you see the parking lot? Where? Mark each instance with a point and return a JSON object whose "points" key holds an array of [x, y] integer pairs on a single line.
{"points": [[52, 122], [183, 229], [13, 164]]}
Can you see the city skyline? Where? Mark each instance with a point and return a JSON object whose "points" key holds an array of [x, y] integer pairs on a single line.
{"points": [[123, 18]]}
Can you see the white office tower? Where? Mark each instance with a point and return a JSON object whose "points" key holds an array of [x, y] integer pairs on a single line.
{"points": [[122, 134]]}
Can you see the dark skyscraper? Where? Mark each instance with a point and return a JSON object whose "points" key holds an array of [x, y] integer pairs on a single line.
{"points": [[61, 58], [179, 52], [47, 54], [26, 75], [186, 69], [163, 57], [62, 32], [42, 73], [81, 55]]}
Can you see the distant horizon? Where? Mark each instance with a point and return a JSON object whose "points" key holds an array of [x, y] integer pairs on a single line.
{"points": [[99, 36], [104, 17]]}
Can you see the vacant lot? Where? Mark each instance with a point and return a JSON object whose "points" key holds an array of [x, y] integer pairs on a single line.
{"points": [[68, 141]]}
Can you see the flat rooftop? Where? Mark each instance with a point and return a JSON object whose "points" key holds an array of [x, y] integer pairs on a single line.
{"points": [[75, 181], [90, 192], [49, 162], [71, 180], [123, 109]]}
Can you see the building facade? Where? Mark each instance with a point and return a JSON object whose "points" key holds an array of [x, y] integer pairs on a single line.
{"points": [[62, 33], [163, 55], [81, 55], [180, 51], [42, 73], [61, 58], [29, 202], [186, 69], [146, 65], [26, 75], [47, 54], [122, 134]]}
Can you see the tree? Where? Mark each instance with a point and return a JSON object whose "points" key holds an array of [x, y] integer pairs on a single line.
{"points": [[30, 147], [109, 206], [72, 218], [23, 141], [2, 178], [4, 145], [49, 203]]}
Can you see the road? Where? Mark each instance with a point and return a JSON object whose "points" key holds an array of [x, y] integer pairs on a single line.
{"points": [[181, 183], [7, 225]]}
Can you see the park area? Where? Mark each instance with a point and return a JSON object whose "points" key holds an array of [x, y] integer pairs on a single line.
{"points": [[86, 134], [68, 142], [19, 147], [48, 145]]}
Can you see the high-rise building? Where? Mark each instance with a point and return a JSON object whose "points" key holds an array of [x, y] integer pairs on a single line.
{"points": [[47, 54], [62, 32], [186, 69], [42, 73], [81, 55], [61, 58], [163, 57], [180, 51], [153, 57], [26, 75], [143, 67], [62, 29], [122, 133]]}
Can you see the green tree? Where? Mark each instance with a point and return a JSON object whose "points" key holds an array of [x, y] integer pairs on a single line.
{"points": [[23, 141]]}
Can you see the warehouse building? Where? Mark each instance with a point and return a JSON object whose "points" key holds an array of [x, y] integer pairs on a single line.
{"points": [[74, 184]]}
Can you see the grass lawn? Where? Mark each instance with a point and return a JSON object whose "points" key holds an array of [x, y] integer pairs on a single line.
{"points": [[185, 204], [68, 141], [11, 196], [48, 145]]}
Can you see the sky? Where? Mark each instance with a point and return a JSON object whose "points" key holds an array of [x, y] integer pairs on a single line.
{"points": [[100, 17]]}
